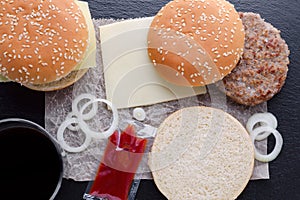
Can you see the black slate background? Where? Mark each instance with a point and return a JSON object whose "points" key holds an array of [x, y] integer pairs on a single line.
{"points": [[17, 101]]}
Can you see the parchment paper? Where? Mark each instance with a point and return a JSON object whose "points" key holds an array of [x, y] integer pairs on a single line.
{"points": [[83, 166]]}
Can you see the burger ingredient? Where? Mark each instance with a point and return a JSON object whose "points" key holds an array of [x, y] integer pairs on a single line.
{"points": [[195, 43], [262, 119], [260, 126], [75, 121], [64, 144], [41, 45], [263, 68], [278, 146], [95, 134], [130, 78], [139, 114], [92, 112], [201, 153], [120, 161], [80, 70], [72, 127]]}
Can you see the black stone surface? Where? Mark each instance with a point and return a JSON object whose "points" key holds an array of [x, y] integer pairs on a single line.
{"points": [[17, 101]]}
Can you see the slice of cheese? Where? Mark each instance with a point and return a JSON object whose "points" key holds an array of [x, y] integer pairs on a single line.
{"points": [[4, 79], [130, 78], [90, 57]]}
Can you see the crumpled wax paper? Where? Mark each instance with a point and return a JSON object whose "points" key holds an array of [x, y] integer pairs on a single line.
{"points": [[83, 166]]}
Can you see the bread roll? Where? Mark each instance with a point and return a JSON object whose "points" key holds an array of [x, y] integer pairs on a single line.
{"points": [[196, 42], [64, 82], [201, 153], [42, 41]]}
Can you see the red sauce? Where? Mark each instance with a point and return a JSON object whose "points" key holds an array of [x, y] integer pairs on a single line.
{"points": [[118, 167]]}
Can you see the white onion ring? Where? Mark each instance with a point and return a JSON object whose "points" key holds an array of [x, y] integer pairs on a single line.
{"points": [[277, 148], [63, 143], [91, 113], [264, 119], [99, 135], [71, 126]]}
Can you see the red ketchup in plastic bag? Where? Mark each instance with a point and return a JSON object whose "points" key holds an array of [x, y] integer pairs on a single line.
{"points": [[121, 159]]}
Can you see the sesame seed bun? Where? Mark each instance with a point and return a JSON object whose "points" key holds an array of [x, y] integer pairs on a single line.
{"points": [[43, 41], [201, 153], [195, 43], [59, 84]]}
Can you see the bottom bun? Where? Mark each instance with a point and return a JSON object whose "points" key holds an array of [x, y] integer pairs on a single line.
{"points": [[59, 84], [201, 153]]}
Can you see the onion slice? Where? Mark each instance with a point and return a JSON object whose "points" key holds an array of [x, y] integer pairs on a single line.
{"points": [[278, 146], [86, 116], [264, 119], [72, 127], [95, 134], [139, 114], [63, 143]]}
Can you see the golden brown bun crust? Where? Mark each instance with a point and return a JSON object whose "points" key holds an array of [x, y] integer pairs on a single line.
{"points": [[61, 83], [42, 40], [195, 42]]}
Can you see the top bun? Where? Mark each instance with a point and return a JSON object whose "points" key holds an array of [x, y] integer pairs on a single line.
{"points": [[41, 41], [196, 42]]}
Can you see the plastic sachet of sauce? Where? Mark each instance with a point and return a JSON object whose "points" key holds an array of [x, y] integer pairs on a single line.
{"points": [[116, 172]]}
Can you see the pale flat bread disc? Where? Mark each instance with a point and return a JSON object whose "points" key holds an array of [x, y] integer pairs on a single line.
{"points": [[201, 153]]}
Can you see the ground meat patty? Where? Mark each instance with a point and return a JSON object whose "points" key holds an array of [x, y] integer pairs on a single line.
{"points": [[262, 69]]}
